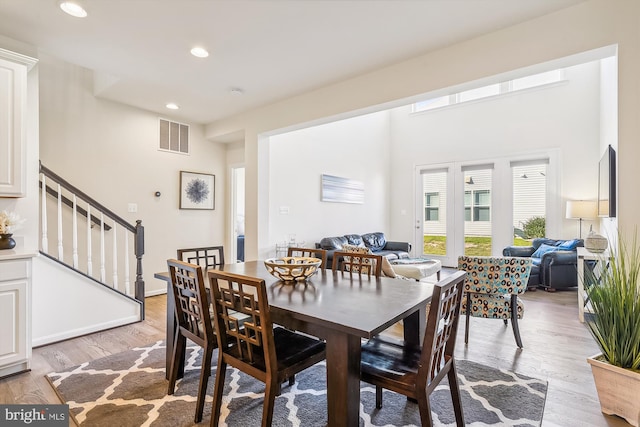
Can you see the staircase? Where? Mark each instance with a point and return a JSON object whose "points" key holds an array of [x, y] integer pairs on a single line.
{"points": [[91, 265]]}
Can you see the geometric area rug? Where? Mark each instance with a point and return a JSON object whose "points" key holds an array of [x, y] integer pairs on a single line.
{"points": [[129, 389]]}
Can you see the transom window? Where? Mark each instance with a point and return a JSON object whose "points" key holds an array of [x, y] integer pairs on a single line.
{"points": [[534, 80]]}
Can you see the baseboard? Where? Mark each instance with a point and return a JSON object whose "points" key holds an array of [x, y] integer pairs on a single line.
{"points": [[50, 339]]}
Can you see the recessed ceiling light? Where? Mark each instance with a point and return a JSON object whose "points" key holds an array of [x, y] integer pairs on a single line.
{"points": [[172, 106], [236, 91], [200, 52], [73, 8]]}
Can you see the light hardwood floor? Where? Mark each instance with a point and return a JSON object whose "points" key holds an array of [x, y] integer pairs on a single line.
{"points": [[556, 346]]}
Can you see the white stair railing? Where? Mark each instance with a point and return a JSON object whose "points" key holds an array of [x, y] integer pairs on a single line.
{"points": [[101, 225]]}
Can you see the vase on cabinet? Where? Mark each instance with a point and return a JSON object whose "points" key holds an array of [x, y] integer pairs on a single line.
{"points": [[7, 242]]}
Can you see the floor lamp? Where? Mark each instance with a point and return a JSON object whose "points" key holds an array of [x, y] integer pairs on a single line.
{"points": [[581, 209]]}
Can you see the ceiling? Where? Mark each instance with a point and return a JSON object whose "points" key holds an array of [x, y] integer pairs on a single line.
{"points": [[270, 49]]}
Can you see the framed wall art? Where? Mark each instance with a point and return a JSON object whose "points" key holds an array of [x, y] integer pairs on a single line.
{"points": [[197, 190], [342, 190]]}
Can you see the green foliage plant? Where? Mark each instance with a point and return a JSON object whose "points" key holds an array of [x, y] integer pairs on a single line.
{"points": [[535, 227], [615, 304]]}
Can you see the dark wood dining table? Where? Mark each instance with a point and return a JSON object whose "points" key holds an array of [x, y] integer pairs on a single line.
{"points": [[341, 309]]}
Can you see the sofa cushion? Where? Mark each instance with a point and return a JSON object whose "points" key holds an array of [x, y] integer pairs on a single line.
{"points": [[374, 241], [354, 239], [333, 243], [543, 249], [568, 245]]}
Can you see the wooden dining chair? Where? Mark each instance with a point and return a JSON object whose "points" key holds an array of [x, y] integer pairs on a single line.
{"points": [[206, 257], [269, 354], [357, 263], [416, 372], [309, 252], [193, 322], [492, 287]]}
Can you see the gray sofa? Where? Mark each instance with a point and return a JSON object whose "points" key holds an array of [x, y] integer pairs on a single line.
{"points": [[554, 268], [377, 242]]}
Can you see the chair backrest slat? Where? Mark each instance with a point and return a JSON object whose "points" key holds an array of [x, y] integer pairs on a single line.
{"points": [[252, 336], [442, 325], [206, 257], [191, 300], [309, 252], [362, 264]]}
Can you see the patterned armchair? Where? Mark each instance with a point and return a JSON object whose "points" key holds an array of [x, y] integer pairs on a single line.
{"points": [[492, 287]]}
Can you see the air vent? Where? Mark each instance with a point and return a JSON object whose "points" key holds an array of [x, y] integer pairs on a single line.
{"points": [[174, 137]]}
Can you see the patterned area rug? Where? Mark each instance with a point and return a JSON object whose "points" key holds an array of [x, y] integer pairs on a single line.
{"points": [[129, 389]]}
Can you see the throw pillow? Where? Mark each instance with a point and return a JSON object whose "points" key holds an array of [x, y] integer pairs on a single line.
{"points": [[543, 249], [569, 245]]}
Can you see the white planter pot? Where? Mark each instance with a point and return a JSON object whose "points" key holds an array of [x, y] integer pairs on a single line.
{"points": [[618, 390]]}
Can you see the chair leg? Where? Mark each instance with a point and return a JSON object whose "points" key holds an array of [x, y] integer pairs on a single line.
{"points": [[292, 380], [505, 322], [205, 373], [468, 314], [179, 348], [218, 389], [455, 395], [378, 397], [514, 319], [272, 388], [425, 409]]}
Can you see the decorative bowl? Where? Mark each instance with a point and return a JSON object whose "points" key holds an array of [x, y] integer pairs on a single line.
{"points": [[292, 268]]}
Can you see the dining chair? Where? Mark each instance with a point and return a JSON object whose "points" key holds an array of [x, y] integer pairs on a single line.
{"points": [[413, 371], [193, 322], [269, 354], [206, 257], [492, 286], [357, 263], [309, 252]]}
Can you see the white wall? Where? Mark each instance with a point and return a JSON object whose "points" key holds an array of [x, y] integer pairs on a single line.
{"points": [[356, 149], [562, 116], [109, 151], [590, 25], [80, 307]]}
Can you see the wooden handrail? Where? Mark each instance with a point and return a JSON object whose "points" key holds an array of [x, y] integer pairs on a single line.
{"points": [[69, 203], [50, 174]]}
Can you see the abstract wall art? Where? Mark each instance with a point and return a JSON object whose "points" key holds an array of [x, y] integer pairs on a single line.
{"points": [[197, 190]]}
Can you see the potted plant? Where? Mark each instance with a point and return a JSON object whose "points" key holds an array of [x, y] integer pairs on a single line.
{"points": [[614, 299]]}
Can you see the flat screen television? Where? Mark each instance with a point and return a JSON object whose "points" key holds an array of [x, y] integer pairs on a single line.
{"points": [[607, 184]]}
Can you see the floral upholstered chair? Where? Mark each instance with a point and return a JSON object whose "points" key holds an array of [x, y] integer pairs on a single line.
{"points": [[492, 287]]}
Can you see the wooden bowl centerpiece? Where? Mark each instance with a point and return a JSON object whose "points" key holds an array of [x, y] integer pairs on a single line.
{"points": [[292, 268]]}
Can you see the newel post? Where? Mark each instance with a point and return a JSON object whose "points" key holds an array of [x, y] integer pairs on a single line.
{"points": [[139, 251]]}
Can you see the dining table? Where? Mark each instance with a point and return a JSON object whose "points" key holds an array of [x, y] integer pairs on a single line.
{"points": [[341, 309]]}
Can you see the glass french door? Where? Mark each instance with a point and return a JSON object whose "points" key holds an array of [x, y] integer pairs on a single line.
{"points": [[455, 211], [435, 214]]}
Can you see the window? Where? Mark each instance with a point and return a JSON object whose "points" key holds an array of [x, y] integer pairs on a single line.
{"points": [[467, 205], [481, 92], [478, 202], [431, 206], [534, 80], [481, 205]]}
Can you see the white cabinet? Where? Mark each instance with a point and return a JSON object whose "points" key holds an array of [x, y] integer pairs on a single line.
{"points": [[15, 316], [13, 114]]}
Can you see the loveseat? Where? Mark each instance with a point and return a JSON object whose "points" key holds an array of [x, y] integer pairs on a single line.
{"points": [[554, 262], [377, 242]]}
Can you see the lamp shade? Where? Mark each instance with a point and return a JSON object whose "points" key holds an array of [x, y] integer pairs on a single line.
{"points": [[581, 209]]}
